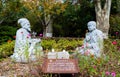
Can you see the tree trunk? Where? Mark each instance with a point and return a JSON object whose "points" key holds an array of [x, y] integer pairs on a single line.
{"points": [[47, 29], [47, 32], [103, 23], [44, 31], [102, 16]]}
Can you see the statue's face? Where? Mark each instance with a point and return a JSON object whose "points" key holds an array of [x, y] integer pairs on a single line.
{"points": [[27, 26], [91, 26]]}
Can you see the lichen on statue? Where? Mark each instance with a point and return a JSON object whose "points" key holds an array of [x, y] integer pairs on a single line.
{"points": [[24, 44], [93, 42]]}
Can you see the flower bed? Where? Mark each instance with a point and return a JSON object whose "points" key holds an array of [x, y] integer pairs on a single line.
{"points": [[106, 66]]}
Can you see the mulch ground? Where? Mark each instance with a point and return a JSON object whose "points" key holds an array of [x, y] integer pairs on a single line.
{"points": [[8, 68]]}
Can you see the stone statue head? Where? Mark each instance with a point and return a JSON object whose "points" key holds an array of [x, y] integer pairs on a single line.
{"points": [[24, 22], [91, 25]]}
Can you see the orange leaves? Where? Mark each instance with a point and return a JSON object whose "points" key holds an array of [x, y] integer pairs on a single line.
{"points": [[9, 41], [48, 6], [31, 4], [63, 7]]}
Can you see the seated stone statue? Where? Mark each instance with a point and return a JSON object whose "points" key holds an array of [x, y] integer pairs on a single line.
{"points": [[93, 42], [24, 49]]}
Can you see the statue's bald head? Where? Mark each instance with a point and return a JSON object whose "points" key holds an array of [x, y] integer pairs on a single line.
{"points": [[91, 25]]}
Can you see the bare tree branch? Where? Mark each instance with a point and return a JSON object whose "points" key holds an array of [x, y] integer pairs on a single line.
{"points": [[98, 5], [107, 7], [107, 4], [2, 20]]}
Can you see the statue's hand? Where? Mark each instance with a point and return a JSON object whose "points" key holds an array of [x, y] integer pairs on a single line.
{"points": [[36, 40], [87, 38], [88, 45]]}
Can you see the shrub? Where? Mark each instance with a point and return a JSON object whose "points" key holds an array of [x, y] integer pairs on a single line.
{"points": [[61, 43], [115, 26], [58, 44], [7, 33], [6, 49]]}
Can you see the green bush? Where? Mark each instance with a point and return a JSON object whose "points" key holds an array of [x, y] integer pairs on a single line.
{"points": [[6, 49], [61, 43], [7, 33], [115, 26]]}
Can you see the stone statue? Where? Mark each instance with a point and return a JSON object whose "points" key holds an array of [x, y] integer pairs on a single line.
{"points": [[24, 49], [93, 42]]}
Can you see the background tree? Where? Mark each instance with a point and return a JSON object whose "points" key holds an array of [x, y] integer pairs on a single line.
{"points": [[118, 5], [10, 12], [102, 9], [73, 21], [44, 10]]}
